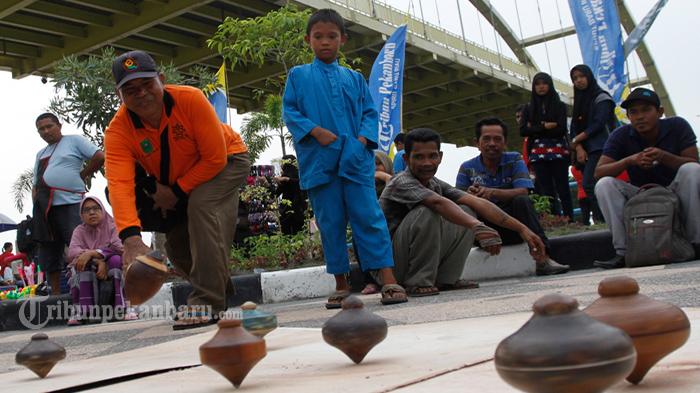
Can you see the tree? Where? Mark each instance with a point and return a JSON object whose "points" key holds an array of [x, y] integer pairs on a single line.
{"points": [[256, 127], [85, 96]]}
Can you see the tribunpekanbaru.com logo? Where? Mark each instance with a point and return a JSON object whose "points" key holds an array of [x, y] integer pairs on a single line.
{"points": [[34, 314]]}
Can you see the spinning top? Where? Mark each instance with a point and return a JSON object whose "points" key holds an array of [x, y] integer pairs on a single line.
{"points": [[354, 330], [232, 352], [561, 349], [40, 355], [657, 328], [257, 322], [144, 277]]}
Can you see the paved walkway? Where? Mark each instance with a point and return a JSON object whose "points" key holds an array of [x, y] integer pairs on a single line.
{"points": [[505, 300]]}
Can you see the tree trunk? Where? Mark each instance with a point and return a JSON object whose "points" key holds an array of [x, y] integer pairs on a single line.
{"points": [[284, 149]]}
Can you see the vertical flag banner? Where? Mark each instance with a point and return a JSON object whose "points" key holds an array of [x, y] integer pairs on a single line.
{"points": [[636, 36], [600, 38], [386, 87], [217, 94]]}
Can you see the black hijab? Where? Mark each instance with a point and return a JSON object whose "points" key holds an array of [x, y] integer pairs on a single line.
{"points": [[583, 99], [289, 167], [547, 107]]}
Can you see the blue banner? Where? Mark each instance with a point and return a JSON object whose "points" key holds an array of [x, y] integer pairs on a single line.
{"points": [[600, 38], [386, 87], [636, 36]]}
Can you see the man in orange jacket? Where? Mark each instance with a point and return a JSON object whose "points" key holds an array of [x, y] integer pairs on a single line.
{"points": [[198, 164]]}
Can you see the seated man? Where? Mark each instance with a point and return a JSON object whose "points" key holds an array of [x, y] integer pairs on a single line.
{"points": [[431, 234], [652, 150], [503, 178]]}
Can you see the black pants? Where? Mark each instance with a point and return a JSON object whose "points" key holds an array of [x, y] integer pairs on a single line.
{"points": [[554, 180], [62, 220], [522, 209], [589, 185]]}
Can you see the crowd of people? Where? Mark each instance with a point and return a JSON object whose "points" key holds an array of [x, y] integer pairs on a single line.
{"points": [[173, 167]]}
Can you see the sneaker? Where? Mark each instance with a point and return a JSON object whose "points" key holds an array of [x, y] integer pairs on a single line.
{"points": [[618, 261], [550, 267]]}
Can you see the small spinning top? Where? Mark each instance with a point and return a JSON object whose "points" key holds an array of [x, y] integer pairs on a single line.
{"points": [[40, 355], [354, 330], [232, 352], [144, 277], [257, 322]]}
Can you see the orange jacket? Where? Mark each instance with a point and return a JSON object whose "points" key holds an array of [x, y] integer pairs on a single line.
{"points": [[199, 145]]}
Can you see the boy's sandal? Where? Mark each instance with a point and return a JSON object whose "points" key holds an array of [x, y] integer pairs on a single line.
{"points": [[459, 284], [370, 289], [393, 294], [423, 291], [335, 300]]}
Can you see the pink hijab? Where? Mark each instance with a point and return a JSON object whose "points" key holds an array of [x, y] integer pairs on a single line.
{"points": [[104, 236]]}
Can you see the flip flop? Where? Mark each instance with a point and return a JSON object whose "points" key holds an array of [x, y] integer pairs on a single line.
{"points": [[193, 319], [393, 294], [335, 299], [459, 284], [423, 291]]}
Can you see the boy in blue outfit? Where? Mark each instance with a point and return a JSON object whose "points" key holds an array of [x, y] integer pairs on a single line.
{"points": [[333, 121]]}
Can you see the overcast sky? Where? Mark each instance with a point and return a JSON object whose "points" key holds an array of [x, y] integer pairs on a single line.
{"points": [[22, 100]]}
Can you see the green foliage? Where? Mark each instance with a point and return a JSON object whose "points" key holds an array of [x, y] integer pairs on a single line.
{"points": [[277, 251], [542, 203], [22, 186], [259, 128]]}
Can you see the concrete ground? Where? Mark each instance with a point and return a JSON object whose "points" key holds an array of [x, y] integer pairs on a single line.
{"points": [[676, 283]]}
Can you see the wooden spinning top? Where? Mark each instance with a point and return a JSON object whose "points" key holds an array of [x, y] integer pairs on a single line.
{"points": [[144, 277], [657, 328], [232, 352], [561, 349], [40, 355], [354, 330], [257, 322]]}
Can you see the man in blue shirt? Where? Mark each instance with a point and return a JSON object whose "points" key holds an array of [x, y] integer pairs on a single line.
{"points": [[503, 178], [399, 161], [652, 150], [57, 191]]}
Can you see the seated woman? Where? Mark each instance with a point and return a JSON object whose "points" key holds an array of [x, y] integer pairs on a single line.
{"points": [[95, 254]]}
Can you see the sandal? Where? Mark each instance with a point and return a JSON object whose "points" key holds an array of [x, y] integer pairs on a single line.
{"points": [[393, 294], [191, 319], [423, 291], [335, 300], [459, 284], [370, 289]]}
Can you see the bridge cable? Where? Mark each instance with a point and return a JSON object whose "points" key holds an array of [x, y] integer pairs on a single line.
{"points": [[495, 36], [520, 27], [561, 26], [464, 37], [437, 10], [546, 48]]}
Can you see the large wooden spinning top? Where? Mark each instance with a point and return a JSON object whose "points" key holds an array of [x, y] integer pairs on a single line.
{"points": [[144, 277], [354, 330], [657, 328], [40, 355], [232, 352], [561, 349]]}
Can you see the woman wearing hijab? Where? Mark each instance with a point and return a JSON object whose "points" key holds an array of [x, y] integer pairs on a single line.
{"points": [[291, 216], [95, 254], [543, 122], [592, 121]]}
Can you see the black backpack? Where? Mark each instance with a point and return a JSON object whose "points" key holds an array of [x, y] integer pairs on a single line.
{"points": [[25, 242], [655, 233]]}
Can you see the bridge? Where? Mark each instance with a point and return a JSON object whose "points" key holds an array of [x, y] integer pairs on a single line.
{"points": [[450, 81]]}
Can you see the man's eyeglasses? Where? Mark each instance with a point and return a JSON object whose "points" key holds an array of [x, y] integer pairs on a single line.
{"points": [[94, 209]]}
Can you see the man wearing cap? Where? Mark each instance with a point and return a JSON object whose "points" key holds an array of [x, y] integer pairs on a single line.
{"points": [[652, 150], [173, 134]]}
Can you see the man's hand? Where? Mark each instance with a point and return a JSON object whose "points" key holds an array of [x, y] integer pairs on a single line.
{"points": [[534, 243], [481, 192], [581, 154], [323, 136], [642, 160], [654, 154], [489, 239], [133, 247], [164, 199], [101, 273]]}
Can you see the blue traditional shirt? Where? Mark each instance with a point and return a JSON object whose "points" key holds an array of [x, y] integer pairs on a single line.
{"points": [[511, 173], [337, 99]]}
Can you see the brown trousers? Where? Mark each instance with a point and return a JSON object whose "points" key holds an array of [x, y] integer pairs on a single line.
{"points": [[200, 247]]}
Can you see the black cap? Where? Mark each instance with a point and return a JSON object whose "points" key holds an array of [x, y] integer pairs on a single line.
{"points": [[133, 65], [641, 94]]}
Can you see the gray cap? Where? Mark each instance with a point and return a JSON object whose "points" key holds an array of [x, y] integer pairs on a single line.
{"points": [[133, 65]]}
